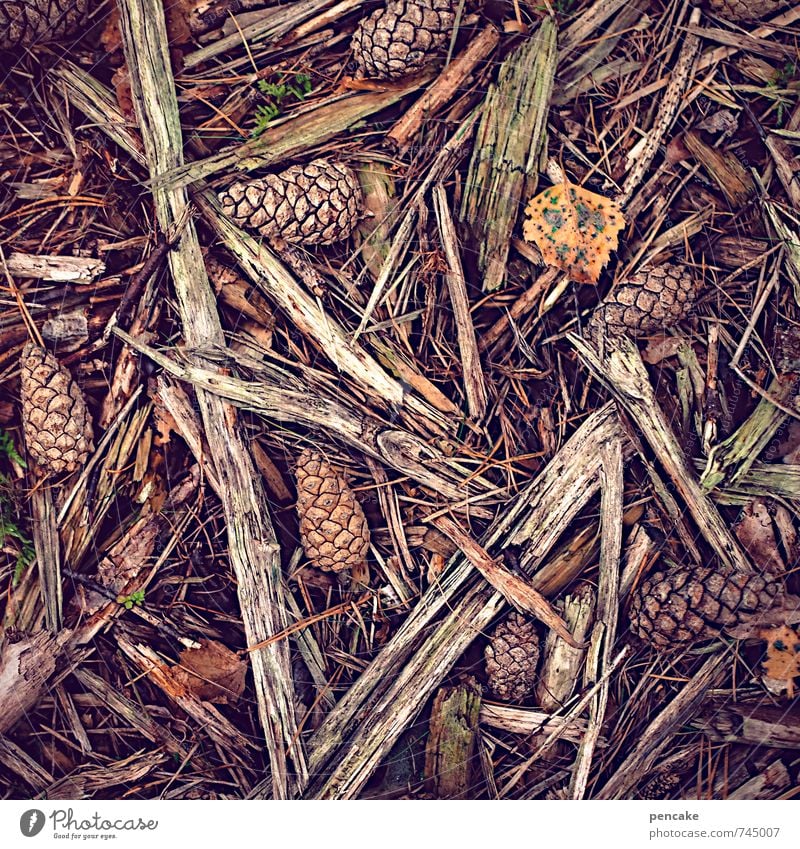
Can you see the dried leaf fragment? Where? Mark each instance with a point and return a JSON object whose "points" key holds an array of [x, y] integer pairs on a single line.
{"points": [[756, 533], [575, 229], [782, 663], [213, 672]]}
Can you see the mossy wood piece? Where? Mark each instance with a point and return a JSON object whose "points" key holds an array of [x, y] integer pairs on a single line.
{"points": [[292, 138], [729, 461], [771, 480], [507, 148], [450, 750]]}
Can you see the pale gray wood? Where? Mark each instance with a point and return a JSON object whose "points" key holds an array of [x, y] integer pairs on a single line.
{"points": [[59, 269], [619, 366], [604, 633], [393, 689], [253, 548]]}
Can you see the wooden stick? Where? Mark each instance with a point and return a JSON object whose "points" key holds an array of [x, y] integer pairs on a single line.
{"points": [[599, 660], [561, 663], [253, 547], [270, 274], [474, 383], [294, 137], [446, 85], [620, 368]]}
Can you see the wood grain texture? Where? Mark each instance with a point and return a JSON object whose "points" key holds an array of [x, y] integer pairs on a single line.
{"points": [[253, 548]]}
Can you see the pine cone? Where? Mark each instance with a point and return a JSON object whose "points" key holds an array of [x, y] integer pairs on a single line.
{"points": [[315, 204], [333, 528], [58, 430], [685, 606], [745, 10], [24, 23], [651, 300], [511, 658], [402, 38], [661, 787]]}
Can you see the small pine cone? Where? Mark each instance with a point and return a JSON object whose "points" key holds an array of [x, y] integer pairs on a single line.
{"points": [[24, 23], [661, 787], [58, 430], [745, 10], [402, 38], [686, 606], [333, 528], [653, 299], [315, 204], [511, 658]]}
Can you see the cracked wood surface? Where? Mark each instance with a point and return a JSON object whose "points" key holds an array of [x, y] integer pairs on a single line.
{"points": [[254, 552]]}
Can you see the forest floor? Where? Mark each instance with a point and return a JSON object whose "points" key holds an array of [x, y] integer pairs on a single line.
{"points": [[166, 629]]}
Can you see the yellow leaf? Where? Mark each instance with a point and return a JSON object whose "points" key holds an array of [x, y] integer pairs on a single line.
{"points": [[783, 655], [575, 229]]}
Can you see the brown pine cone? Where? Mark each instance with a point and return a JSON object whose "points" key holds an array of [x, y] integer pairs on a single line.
{"points": [[315, 204], [661, 787], [24, 23], [402, 38], [745, 10], [653, 299], [333, 528], [58, 430], [686, 606], [511, 658]]}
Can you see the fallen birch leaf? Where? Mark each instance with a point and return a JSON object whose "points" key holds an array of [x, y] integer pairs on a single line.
{"points": [[782, 663], [575, 229]]}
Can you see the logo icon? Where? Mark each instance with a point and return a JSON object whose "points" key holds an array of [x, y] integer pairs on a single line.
{"points": [[31, 822]]}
